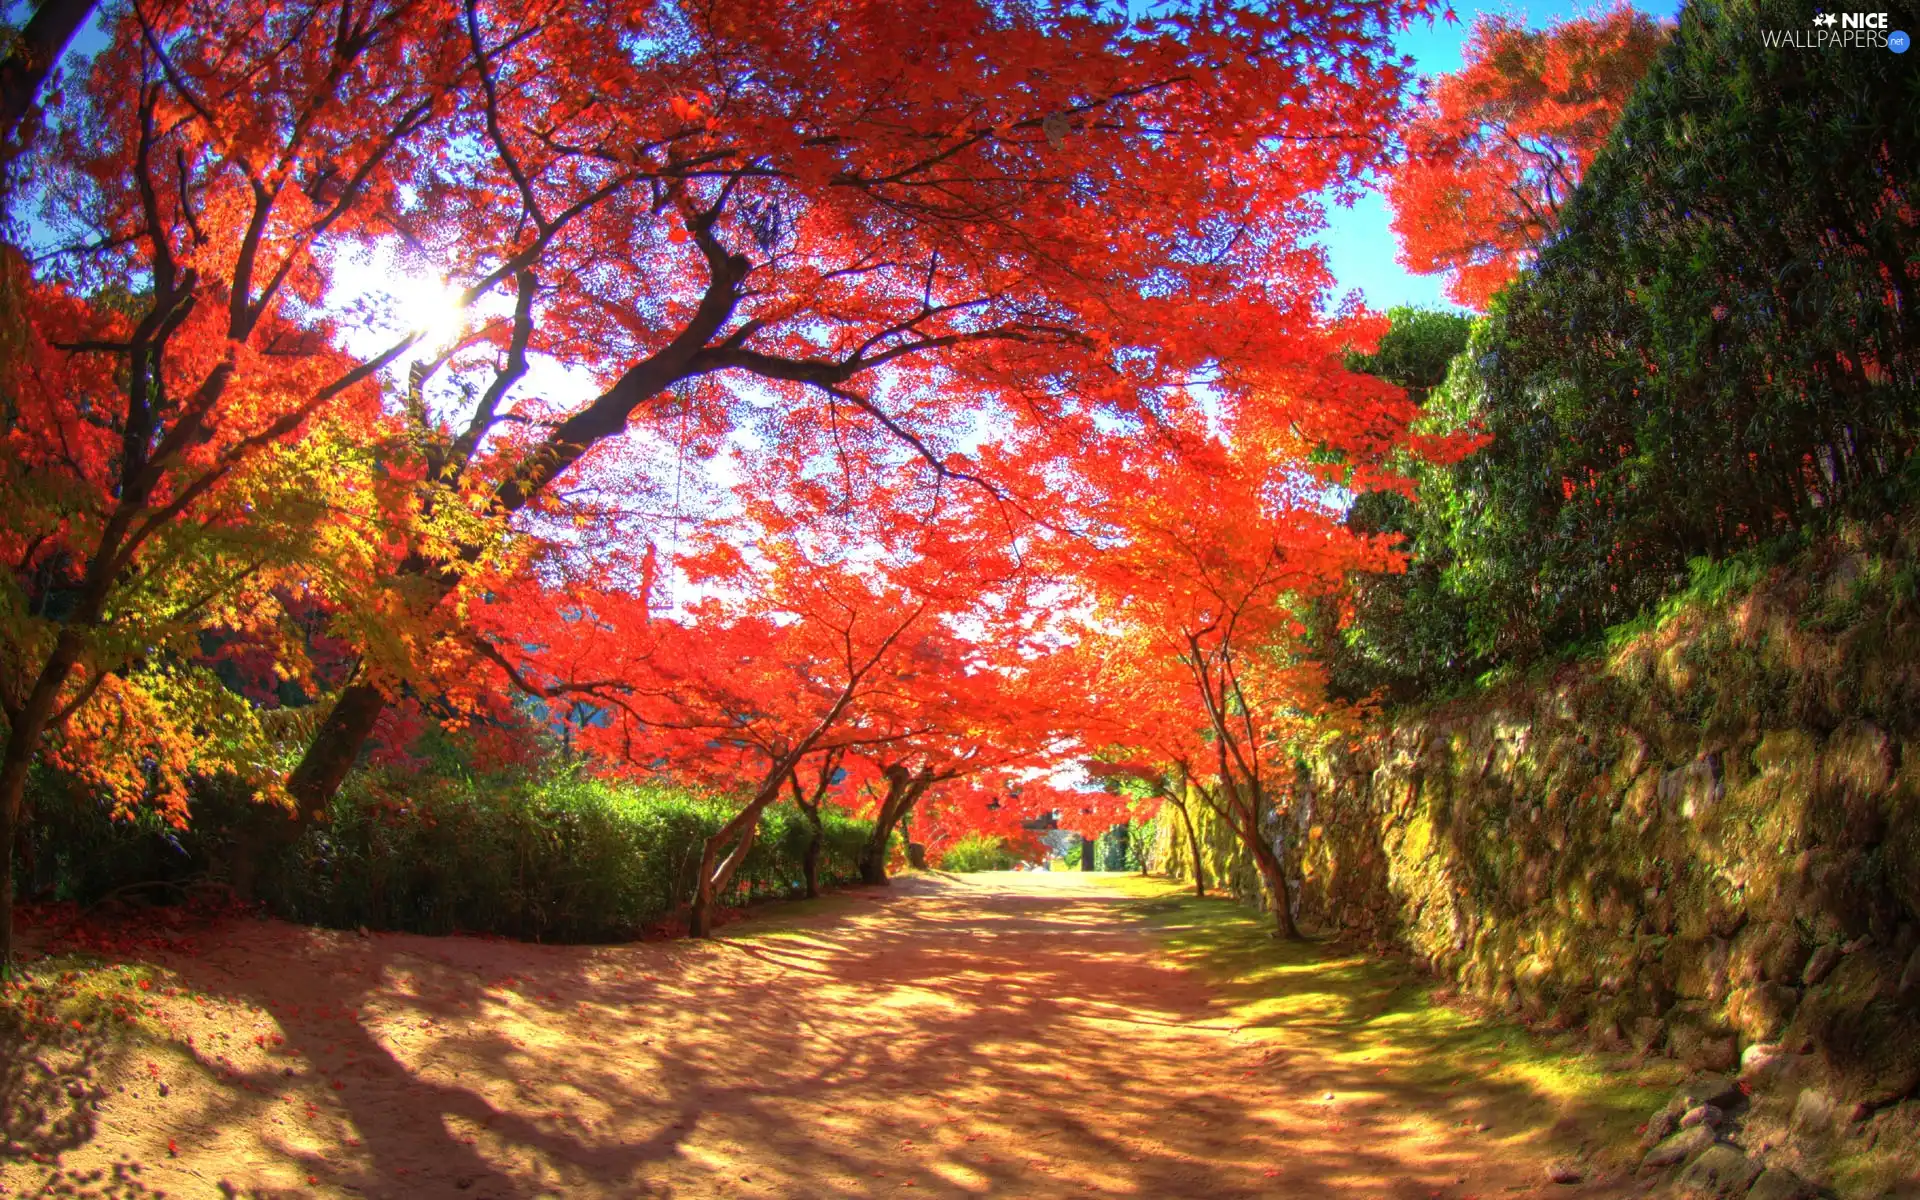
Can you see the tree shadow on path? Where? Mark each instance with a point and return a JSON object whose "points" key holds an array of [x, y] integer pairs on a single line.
{"points": [[1001, 1035]]}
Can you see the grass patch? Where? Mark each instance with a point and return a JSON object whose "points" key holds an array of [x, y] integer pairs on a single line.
{"points": [[1375, 1025], [68, 994]]}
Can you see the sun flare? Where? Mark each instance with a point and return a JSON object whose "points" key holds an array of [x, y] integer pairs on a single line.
{"points": [[396, 298]]}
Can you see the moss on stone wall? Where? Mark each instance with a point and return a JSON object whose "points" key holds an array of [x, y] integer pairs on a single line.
{"points": [[1706, 837]]}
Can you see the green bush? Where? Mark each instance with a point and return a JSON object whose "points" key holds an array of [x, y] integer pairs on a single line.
{"points": [[1718, 348], [979, 852], [560, 856], [1407, 636]]}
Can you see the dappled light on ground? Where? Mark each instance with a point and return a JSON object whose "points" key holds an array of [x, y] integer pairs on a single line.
{"points": [[1009, 1035]]}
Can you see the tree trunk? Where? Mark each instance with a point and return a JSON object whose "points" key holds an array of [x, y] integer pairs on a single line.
{"points": [[1193, 851], [903, 792], [335, 748], [23, 743], [1086, 853], [314, 782], [11, 792], [1274, 875], [41, 43], [810, 860], [873, 856], [713, 881]]}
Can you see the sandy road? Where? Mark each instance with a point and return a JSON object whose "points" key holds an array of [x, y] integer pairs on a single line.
{"points": [[1004, 1035]]}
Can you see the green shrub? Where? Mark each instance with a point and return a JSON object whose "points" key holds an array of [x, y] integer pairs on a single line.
{"points": [[559, 856], [1716, 349], [979, 852]]}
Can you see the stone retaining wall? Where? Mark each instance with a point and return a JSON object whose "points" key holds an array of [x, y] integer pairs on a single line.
{"points": [[1705, 840]]}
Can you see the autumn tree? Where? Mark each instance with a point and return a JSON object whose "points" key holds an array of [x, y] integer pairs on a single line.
{"points": [[1203, 556], [865, 216], [992, 806], [826, 637], [179, 423], [1498, 146], [877, 220], [808, 797], [733, 695], [965, 711]]}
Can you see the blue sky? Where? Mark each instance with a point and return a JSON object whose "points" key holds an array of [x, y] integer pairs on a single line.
{"points": [[1360, 244]]}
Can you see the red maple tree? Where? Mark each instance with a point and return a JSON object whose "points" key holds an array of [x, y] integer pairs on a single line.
{"points": [[884, 225], [1500, 144]]}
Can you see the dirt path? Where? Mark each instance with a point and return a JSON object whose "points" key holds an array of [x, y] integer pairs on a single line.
{"points": [[1005, 1035]]}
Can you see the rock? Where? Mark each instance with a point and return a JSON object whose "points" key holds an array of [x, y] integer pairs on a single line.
{"points": [[1787, 957], [1718, 1090], [1661, 1125], [1703, 1114], [1763, 1069], [1875, 1057], [1719, 1171], [1697, 1038], [1758, 1050], [1910, 978], [1812, 1113], [1778, 1183], [1824, 960], [1714, 1054], [1767, 952], [1565, 1172], [1759, 1012], [1678, 1148]]}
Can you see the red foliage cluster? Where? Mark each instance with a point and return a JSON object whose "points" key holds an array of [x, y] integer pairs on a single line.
{"points": [[1501, 143]]}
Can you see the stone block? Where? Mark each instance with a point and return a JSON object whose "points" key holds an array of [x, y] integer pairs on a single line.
{"points": [[1718, 1173], [1695, 1040], [1760, 1012], [1767, 952], [1720, 1091], [1778, 1183], [1678, 1148], [1703, 1114], [1813, 1114], [1857, 760], [1820, 965]]}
